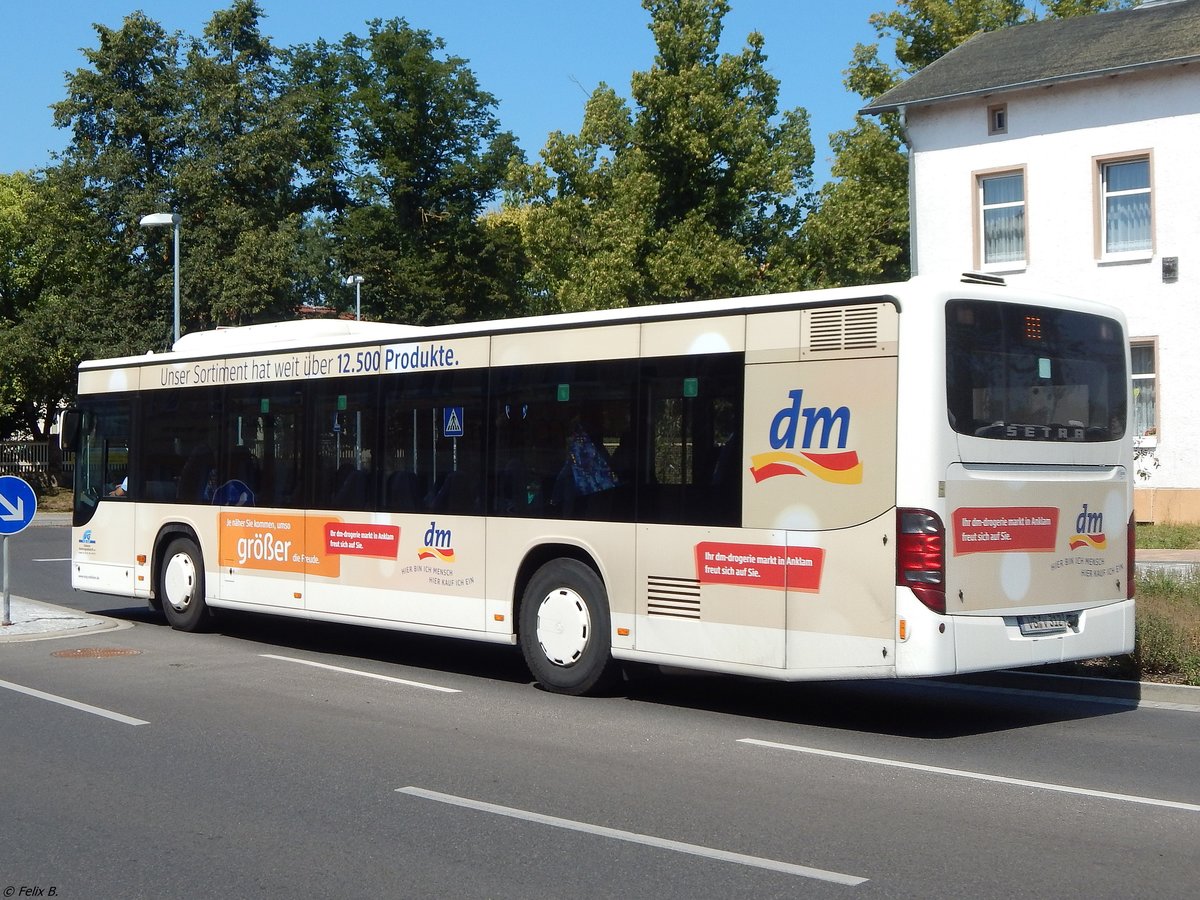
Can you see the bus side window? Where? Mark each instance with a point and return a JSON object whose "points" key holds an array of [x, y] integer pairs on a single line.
{"points": [[562, 432], [433, 433], [344, 412], [103, 460], [691, 473], [179, 430]]}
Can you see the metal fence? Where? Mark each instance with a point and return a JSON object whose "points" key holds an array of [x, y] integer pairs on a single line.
{"points": [[31, 459]]}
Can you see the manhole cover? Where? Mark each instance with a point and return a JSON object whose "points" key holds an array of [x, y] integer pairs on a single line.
{"points": [[94, 653]]}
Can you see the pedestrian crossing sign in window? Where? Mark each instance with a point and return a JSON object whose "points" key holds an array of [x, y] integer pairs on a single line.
{"points": [[452, 421]]}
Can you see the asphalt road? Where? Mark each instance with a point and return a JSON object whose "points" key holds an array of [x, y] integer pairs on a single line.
{"points": [[282, 759]]}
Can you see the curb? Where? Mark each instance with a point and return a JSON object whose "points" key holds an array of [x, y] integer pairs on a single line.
{"points": [[51, 520], [33, 620], [1170, 567]]}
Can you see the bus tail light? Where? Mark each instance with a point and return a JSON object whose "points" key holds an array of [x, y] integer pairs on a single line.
{"points": [[1130, 555], [921, 556]]}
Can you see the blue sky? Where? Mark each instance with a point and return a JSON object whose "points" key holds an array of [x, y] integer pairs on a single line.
{"points": [[539, 58]]}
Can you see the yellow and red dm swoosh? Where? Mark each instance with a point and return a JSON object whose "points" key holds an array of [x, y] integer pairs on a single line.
{"points": [[1095, 541], [836, 468], [446, 556]]}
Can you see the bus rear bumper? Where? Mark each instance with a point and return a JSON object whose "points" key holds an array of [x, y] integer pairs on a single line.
{"points": [[932, 644], [996, 642]]}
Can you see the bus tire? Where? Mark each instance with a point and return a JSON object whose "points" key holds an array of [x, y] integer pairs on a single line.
{"points": [[181, 586], [565, 631]]}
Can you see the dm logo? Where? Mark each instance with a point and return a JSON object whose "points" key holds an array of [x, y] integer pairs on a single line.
{"points": [[1089, 531], [439, 544], [814, 428]]}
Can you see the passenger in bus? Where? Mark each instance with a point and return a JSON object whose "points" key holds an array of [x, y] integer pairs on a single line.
{"points": [[198, 480], [587, 470], [237, 488], [233, 493]]}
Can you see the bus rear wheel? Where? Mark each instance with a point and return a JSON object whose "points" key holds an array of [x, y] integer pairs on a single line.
{"points": [[181, 586], [565, 631]]}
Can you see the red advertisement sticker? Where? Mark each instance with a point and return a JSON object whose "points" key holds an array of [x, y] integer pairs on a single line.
{"points": [[1004, 529], [349, 539], [760, 565]]}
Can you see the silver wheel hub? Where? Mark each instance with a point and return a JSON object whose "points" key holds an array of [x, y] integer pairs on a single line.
{"points": [[179, 581], [564, 626]]}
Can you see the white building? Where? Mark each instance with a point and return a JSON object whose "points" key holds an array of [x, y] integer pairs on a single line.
{"points": [[1068, 151]]}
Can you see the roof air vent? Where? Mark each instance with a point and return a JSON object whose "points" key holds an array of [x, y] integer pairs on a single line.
{"points": [[981, 278]]}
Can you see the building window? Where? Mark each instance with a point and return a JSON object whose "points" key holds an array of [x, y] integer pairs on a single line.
{"points": [[1145, 391], [998, 119], [1001, 224], [1125, 207]]}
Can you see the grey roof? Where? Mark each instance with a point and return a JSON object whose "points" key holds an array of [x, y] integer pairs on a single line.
{"points": [[1055, 50]]}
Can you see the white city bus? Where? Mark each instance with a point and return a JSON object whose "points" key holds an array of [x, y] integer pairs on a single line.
{"points": [[907, 479]]}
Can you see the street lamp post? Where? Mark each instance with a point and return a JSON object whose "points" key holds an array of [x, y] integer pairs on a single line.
{"points": [[357, 281], [173, 220]]}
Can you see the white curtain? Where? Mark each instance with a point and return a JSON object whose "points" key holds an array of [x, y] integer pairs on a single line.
{"points": [[1004, 219], [1127, 206]]}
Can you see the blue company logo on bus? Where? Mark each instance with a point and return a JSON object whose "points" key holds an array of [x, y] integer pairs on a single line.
{"points": [[1089, 531], [821, 425], [439, 544], [86, 537]]}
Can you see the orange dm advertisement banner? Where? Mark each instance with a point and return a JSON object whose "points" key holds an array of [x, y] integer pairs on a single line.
{"points": [[300, 544], [760, 565]]}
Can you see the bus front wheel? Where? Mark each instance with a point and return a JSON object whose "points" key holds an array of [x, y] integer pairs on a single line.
{"points": [[181, 586], [565, 629]]}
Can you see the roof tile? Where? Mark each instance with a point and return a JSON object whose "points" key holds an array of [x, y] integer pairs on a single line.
{"points": [[1055, 50]]}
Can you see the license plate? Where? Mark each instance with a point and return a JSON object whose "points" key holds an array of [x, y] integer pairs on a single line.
{"points": [[1044, 624]]}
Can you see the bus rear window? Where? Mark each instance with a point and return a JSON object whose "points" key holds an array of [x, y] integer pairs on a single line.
{"points": [[1029, 373]]}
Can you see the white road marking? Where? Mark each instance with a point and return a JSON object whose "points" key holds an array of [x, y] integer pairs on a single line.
{"points": [[54, 559], [74, 704], [635, 838], [978, 776], [317, 665]]}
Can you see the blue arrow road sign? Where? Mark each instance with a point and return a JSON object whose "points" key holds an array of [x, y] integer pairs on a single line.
{"points": [[18, 503]]}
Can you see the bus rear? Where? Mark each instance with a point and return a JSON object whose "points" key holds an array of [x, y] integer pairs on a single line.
{"points": [[1025, 555]]}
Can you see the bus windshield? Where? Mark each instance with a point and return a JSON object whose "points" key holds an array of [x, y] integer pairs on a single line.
{"points": [[1028, 373]]}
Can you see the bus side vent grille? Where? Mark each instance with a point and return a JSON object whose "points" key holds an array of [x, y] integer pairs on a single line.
{"points": [[842, 328], [674, 598]]}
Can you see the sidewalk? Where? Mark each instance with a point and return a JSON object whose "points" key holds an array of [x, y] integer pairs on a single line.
{"points": [[34, 621], [1177, 562]]}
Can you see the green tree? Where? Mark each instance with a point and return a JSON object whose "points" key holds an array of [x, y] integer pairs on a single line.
{"points": [[237, 186], [858, 233], [859, 230], [689, 194], [74, 280], [124, 114], [21, 261], [289, 169], [427, 154], [50, 319]]}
